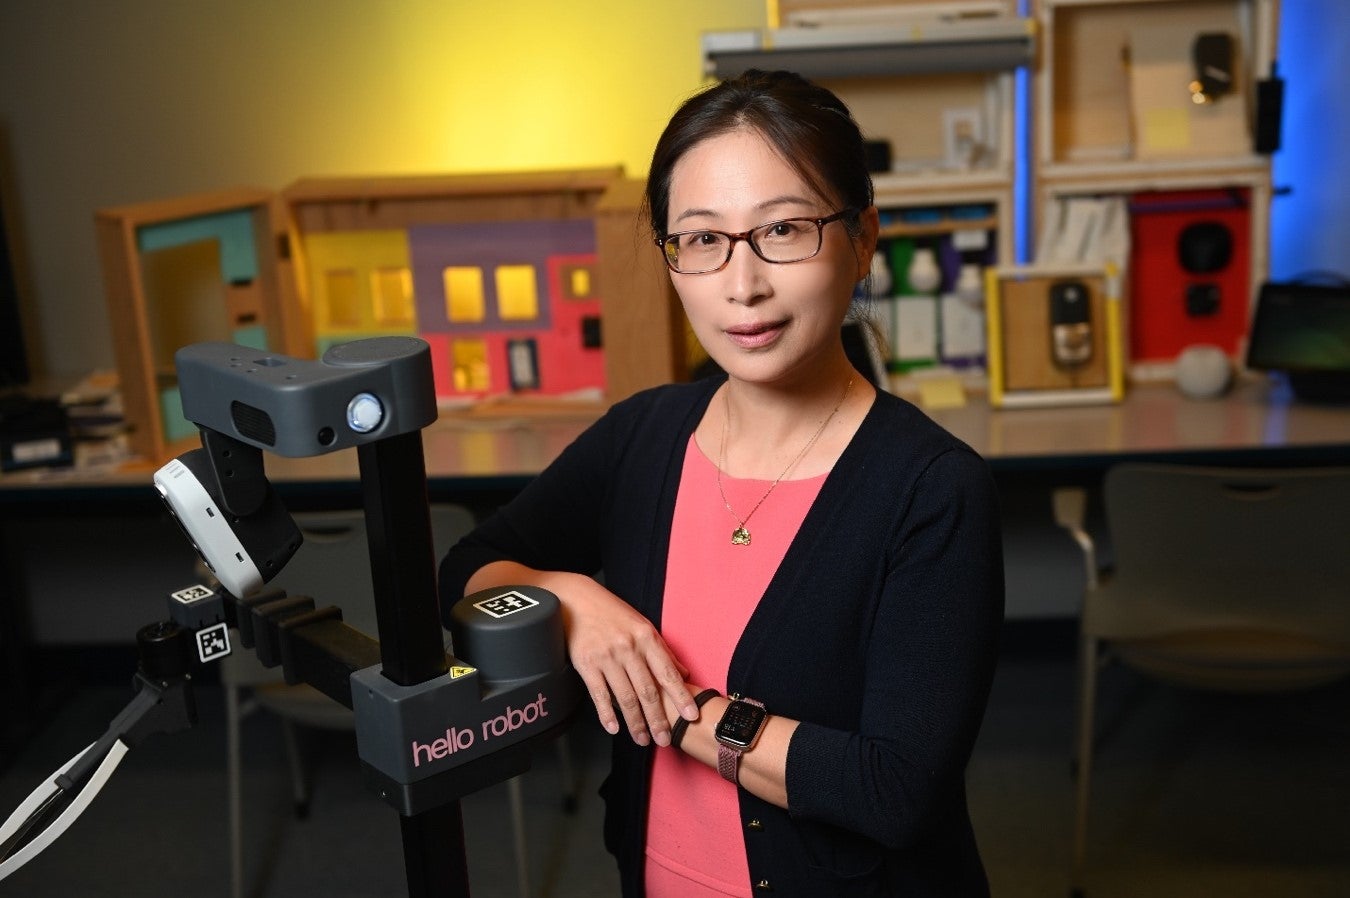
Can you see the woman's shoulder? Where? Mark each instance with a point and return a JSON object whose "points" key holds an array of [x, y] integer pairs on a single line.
{"points": [[901, 446], [897, 425]]}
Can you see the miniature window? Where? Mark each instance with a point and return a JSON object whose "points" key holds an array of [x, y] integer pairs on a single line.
{"points": [[523, 364], [517, 293], [344, 299], [578, 282], [392, 288], [464, 293], [468, 360]]}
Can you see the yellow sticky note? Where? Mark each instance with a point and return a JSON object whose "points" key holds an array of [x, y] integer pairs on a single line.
{"points": [[1167, 128], [941, 392]]}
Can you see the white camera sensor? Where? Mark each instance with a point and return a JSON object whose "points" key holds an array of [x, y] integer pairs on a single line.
{"points": [[208, 528]]}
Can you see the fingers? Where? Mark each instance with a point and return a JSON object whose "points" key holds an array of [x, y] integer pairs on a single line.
{"points": [[631, 689], [627, 667], [600, 697], [671, 676]]}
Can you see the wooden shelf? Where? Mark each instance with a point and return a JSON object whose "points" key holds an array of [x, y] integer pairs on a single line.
{"points": [[945, 226], [906, 48]]}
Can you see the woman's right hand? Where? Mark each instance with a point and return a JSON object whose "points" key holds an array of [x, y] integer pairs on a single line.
{"points": [[621, 657]]}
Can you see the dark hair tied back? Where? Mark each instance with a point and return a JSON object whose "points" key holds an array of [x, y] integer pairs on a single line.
{"points": [[807, 124]]}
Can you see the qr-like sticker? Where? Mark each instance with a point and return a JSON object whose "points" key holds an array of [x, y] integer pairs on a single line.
{"points": [[192, 594], [213, 642], [504, 604]]}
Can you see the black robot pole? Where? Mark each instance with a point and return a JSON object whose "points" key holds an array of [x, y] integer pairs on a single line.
{"points": [[403, 571]]}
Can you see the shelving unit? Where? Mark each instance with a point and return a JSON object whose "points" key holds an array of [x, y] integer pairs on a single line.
{"points": [[1114, 116], [934, 81]]}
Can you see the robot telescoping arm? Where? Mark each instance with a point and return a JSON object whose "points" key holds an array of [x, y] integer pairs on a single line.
{"points": [[430, 727], [448, 714]]}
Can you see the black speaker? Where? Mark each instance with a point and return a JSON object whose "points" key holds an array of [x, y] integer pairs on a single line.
{"points": [[1202, 300], [1269, 112], [1212, 54], [1205, 247]]}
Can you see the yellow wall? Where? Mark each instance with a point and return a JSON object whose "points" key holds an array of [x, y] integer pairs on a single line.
{"points": [[109, 103]]}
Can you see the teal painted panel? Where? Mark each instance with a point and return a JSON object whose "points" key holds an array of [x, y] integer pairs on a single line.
{"points": [[176, 427], [234, 230], [254, 336]]}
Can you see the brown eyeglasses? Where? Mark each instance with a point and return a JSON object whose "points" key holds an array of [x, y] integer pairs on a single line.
{"points": [[783, 241]]}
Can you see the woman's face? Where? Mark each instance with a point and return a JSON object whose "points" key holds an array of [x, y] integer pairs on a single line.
{"points": [[763, 322]]}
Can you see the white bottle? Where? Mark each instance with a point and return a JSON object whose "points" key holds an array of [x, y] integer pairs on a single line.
{"points": [[970, 284], [924, 274]]}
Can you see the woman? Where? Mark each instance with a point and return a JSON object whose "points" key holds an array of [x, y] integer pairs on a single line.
{"points": [[785, 534]]}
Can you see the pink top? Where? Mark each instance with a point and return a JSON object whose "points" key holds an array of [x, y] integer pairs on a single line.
{"points": [[694, 844]]}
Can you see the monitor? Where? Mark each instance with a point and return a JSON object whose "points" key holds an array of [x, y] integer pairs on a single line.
{"points": [[1303, 330]]}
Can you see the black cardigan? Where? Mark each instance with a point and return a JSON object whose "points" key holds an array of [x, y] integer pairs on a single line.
{"points": [[878, 632]]}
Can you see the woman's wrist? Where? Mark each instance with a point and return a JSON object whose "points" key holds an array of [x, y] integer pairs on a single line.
{"points": [[681, 723]]}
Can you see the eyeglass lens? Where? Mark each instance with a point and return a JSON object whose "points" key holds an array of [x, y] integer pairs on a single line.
{"points": [[791, 240]]}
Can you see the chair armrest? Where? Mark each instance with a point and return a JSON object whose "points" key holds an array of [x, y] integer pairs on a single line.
{"points": [[1069, 504]]}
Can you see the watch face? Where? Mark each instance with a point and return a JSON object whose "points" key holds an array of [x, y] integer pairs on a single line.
{"points": [[740, 724]]}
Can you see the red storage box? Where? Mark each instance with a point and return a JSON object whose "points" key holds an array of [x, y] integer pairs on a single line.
{"points": [[1190, 263]]}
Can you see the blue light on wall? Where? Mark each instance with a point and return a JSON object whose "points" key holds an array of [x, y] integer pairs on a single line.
{"points": [[1310, 223], [1310, 226]]}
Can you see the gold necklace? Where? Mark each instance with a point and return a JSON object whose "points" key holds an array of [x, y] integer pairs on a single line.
{"points": [[741, 535]]}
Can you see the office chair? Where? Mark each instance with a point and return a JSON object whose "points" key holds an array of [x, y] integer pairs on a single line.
{"points": [[333, 566], [1235, 580]]}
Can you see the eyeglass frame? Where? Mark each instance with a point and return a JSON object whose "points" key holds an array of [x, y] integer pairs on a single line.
{"points": [[820, 224]]}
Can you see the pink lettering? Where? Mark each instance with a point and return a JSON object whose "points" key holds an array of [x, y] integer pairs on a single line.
{"points": [[454, 740], [513, 719]]}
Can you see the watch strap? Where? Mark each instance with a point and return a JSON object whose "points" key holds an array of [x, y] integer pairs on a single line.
{"points": [[682, 723], [729, 762], [729, 756]]}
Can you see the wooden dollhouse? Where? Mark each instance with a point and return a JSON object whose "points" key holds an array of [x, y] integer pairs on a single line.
{"points": [[499, 273]]}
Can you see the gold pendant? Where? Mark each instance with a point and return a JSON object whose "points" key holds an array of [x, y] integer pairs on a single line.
{"points": [[740, 536]]}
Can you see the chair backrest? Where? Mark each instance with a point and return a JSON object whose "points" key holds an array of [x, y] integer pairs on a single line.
{"points": [[333, 563], [1252, 547]]}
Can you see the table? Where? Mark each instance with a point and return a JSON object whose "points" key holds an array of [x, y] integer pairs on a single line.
{"points": [[471, 455], [1259, 423], [480, 460]]}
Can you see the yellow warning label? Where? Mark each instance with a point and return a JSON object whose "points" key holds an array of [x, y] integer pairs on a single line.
{"points": [[457, 672]]}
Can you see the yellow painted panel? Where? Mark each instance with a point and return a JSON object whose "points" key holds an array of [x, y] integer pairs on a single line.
{"points": [[393, 289], [362, 256], [464, 301], [517, 293], [468, 359], [342, 298]]}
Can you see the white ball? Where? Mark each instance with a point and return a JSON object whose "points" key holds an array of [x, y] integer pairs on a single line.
{"points": [[1203, 371]]}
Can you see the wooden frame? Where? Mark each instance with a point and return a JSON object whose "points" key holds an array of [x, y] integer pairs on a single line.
{"points": [[156, 303], [644, 323], [1022, 370]]}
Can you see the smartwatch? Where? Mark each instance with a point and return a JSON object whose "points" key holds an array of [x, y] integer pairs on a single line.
{"points": [[737, 732]]}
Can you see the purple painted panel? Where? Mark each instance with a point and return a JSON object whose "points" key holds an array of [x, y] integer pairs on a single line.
{"points": [[487, 245]]}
